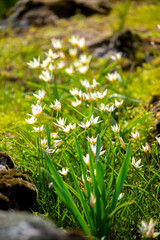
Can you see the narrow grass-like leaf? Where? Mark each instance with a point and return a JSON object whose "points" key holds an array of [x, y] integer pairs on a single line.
{"points": [[83, 168], [119, 207], [101, 73], [150, 182], [98, 147], [48, 135], [115, 95], [134, 122], [121, 178], [65, 195], [81, 197]]}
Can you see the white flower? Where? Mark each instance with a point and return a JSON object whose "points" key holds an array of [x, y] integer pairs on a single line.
{"points": [[146, 148], [147, 229], [40, 95], [43, 142], [94, 150], [92, 140], [102, 107], [57, 142], [51, 68], [49, 150], [84, 59], [92, 200], [37, 110], [77, 64], [45, 76], [74, 92], [85, 125], [158, 139], [56, 44], [88, 97], [61, 55], [135, 135], [60, 122], [118, 104], [54, 135], [81, 95], [74, 41], [136, 164], [73, 52], [56, 106], [76, 103], [45, 64], [86, 159], [102, 95], [85, 83], [122, 143], [88, 179], [112, 77], [69, 70], [116, 56], [72, 126], [61, 65], [83, 69], [93, 96], [64, 171], [94, 84], [66, 129], [52, 55], [94, 121], [31, 120], [110, 107], [38, 129], [35, 63], [81, 43], [115, 128], [121, 195]]}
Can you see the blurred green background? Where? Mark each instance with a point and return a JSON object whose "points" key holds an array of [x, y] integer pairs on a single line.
{"points": [[5, 5]]}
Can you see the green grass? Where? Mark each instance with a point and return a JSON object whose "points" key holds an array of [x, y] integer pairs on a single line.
{"points": [[115, 173]]}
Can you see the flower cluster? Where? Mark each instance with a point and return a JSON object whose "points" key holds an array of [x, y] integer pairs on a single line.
{"points": [[86, 97]]}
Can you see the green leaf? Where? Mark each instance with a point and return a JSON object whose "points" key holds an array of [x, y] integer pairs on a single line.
{"points": [[64, 194], [83, 168], [81, 197], [121, 178], [134, 122], [98, 147], [48, 135]]}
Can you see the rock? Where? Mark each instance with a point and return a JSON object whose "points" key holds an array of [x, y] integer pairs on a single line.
{"points": [[42, 12], [2, 167], [17, 191], [23, 226], [6, 161], [133, 48], [154, 106], [4, 202]]}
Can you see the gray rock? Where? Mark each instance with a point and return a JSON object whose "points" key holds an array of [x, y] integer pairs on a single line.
{"points": [[23, 226]]}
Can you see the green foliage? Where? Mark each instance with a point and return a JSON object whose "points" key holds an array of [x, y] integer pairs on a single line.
{"points": [[6, 5]]}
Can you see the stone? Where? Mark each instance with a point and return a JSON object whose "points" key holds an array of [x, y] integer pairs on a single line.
{"points": [[2, 167], [6, 160], [24, 226], [17, 191], [42, 12], [154, 106]]}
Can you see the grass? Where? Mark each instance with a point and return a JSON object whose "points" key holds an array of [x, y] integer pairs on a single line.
{"points": [[115, 172]]}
